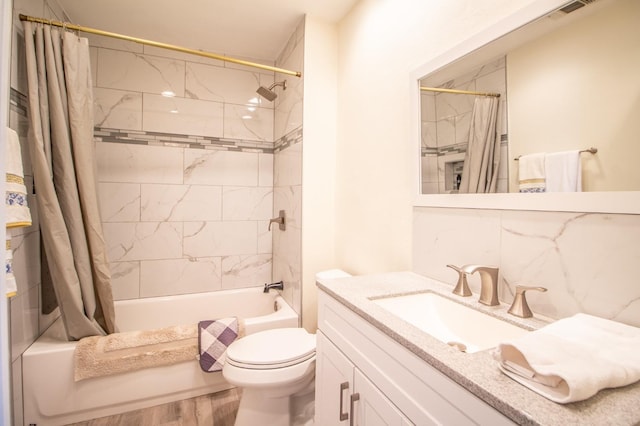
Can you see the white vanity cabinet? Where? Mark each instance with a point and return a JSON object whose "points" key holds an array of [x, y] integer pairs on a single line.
{"points": [[361, 370], [346, 396]]}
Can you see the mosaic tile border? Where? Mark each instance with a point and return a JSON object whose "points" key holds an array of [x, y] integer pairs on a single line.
{"points": [[136, 137], [291, 138], [175, 140]]}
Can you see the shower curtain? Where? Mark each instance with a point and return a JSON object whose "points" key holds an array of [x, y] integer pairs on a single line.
{"points": [[480, 171], [62, 154]]}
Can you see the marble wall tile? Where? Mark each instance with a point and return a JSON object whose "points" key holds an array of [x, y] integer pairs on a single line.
{"points": [[288, 112], [584, 260], [127, 241], [245, 271], [454, 236], [179, 276], [288, 166], [287, 262], [220, 84], [166, 53], [24, 321], [446, 131], [265, 170], [462, 127], [248, 122], [93, 58], [179, 203], [111, 43], [125, 280], [247, 203], [182, 116], [26, 249], [138, 163], [117, 69], [265, 240], [429, 167], [427, 106], [220, 168], [207, 239], [117, 109], [428, 134], [119, 202]]}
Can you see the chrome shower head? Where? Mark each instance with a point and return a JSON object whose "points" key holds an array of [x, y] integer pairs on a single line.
{"points": [[269, 94]]}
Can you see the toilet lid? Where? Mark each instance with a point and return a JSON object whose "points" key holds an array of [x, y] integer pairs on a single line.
{"points": [[272, 348]]}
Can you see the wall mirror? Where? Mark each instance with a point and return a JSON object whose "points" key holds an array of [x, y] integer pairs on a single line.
{"points": [[567, 80]]}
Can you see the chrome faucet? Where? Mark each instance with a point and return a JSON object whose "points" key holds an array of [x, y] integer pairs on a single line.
{"points": [[520, 307], [488, 283], [276, 286]]}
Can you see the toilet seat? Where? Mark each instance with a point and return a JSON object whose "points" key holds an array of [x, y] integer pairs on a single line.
{"points": [[272, 349]]}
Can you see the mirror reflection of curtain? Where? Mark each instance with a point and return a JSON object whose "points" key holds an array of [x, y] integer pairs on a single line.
{"points": [[480, 172], [63, 158]]}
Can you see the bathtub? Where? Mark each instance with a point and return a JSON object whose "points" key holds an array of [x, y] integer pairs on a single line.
{"points": [[52, 397]]}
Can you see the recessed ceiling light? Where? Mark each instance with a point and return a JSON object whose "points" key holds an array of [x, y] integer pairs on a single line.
{"points": [[168, 94]]}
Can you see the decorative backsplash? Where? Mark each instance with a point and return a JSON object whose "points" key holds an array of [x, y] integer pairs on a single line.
{"points": [[585, 260]]}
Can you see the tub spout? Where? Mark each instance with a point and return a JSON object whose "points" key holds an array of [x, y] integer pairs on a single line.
{"points": [[277, 286]]}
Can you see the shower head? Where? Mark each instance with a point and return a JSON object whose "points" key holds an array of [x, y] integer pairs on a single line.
{"points": [[269, 94]]}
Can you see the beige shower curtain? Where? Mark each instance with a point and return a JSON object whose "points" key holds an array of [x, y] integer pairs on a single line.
{"points": [[480, 171], [62, 153]]}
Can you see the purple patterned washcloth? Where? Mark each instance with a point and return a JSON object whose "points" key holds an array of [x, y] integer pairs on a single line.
{"points": [[214, 337]]}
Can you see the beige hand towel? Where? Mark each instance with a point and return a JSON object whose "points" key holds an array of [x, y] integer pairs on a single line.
{"points": [[573, 358], [531, 173]]}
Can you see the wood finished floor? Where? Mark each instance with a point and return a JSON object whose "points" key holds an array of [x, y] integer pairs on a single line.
{"points": [[216, 409]]}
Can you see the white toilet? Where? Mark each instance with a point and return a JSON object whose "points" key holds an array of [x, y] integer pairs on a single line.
{"points": [[272, 367], [276, 369]]}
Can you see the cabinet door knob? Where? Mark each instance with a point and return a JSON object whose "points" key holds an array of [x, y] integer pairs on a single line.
{"points": [[354, 397], [343, 386]]}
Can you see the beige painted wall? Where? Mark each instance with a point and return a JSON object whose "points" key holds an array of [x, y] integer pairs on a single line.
{"points": [[380, 43], [318, 160], [578, 87]]}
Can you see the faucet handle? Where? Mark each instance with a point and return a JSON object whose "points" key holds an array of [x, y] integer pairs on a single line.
{"points": [[520, 307], [462, 286]]}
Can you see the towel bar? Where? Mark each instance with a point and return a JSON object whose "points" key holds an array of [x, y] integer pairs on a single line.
{"points": [[591, 150]]}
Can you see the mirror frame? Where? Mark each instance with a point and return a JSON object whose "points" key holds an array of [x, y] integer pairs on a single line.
{"points": [[622, 202]]}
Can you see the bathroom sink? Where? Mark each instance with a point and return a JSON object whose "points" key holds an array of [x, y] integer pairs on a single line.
{"points": [[458, 325]]}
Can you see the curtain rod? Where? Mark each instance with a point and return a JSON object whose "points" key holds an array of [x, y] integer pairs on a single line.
{"points": [[157, 44], [591, 150], [459, 92]]}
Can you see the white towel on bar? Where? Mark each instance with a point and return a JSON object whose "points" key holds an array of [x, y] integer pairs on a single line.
{"points": [[563, 171], [531, 173], [18, 213], [573, 358]]}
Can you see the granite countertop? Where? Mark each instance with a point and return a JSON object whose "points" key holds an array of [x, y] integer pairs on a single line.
{"points": [[478, 372]]}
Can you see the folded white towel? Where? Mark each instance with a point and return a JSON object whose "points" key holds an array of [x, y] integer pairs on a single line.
{"points": [[573, 358], [531, 173], [563, 171], [16, 192]]}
